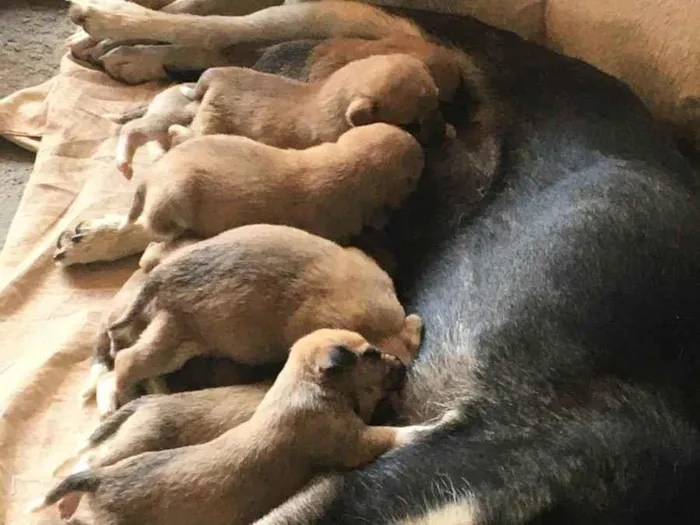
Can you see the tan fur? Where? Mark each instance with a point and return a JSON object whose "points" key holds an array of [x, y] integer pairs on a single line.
{"points": [[167, 108], [394, 88], [314, 417], [250, 293], [100, 384], [210, 184], [163, 422]]}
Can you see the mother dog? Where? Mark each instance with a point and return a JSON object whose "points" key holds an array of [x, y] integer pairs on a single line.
{"points": [[562, 312]]}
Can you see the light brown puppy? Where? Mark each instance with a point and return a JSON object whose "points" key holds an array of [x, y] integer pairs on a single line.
{"points": [[161, 422], [250, 293], [151, 124], [313, 419], [397, 89], [210, 184]]}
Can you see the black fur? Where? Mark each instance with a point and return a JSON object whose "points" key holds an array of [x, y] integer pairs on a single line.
{"points": [[562, 312]]}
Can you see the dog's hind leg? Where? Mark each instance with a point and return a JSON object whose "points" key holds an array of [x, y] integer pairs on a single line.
{"points": [[159, 351], [332, 18]]}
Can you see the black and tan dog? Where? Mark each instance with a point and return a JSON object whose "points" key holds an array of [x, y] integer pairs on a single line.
{"points": [[562, 310]]}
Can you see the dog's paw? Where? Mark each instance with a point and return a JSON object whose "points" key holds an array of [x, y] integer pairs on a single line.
{"points": [[104, 239], [135, 64], [105, 18], [82, 46]]}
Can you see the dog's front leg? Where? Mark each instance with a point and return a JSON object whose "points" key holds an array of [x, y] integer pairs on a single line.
{"points": [[141, 63], [104, 239], [332, 18]]}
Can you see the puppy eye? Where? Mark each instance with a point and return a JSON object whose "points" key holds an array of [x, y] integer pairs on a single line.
{"points": [[372, 353]]}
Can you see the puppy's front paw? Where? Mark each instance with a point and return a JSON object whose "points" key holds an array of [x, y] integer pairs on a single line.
{"points": [[105, 18], [103, 239], [410, 434], [135, 64]]}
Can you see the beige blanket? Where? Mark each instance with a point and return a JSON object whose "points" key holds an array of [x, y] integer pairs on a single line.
{"points": [[48, 317]]}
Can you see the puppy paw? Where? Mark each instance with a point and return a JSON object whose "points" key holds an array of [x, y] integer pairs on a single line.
{"points": [[103, 239], [135, 64], [97, 371], [82, 46], [106, 396], [413, 333], [106, 18]]}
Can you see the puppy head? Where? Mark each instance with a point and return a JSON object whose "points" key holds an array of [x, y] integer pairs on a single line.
{"points": [[344, 363], [397, 89]]}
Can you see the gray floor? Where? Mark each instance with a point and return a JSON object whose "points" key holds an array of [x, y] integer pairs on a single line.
{"points": [[31, 44]]}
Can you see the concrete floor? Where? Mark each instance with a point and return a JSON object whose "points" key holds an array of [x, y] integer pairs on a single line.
{"points": [[31, 45]]}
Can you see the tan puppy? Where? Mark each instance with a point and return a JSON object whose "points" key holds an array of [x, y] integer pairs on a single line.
{"points": [[448, 67], [250, 293], [397, 89], [313, 419], [151, 124], [160, 422], [210, 184]]}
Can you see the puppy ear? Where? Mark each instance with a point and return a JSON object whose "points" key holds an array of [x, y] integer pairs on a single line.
{"points": [[361, 111], [338, 358]]}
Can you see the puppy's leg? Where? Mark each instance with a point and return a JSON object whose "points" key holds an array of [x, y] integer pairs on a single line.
{"points": [[375, 441], [103, 239], [158, 351], [332, 18]]}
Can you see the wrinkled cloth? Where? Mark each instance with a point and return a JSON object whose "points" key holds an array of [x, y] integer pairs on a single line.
{"points": [[49, 316]]}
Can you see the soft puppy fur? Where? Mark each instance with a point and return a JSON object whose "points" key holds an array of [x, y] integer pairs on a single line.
{"points": [[313, 418], [248, 294], [160, 422], [151, 123], [210, 184], [393, 88], [100, 383]]}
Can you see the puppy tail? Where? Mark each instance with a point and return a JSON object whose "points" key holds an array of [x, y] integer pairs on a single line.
{"points": [[85, 481], [146, 294], [128, 116], [137, 204]]}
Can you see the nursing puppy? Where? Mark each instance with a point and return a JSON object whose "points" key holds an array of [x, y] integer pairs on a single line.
{"points": [[314, 418], [161, 422], [396, 89], [207, 185], [250, 293]]}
